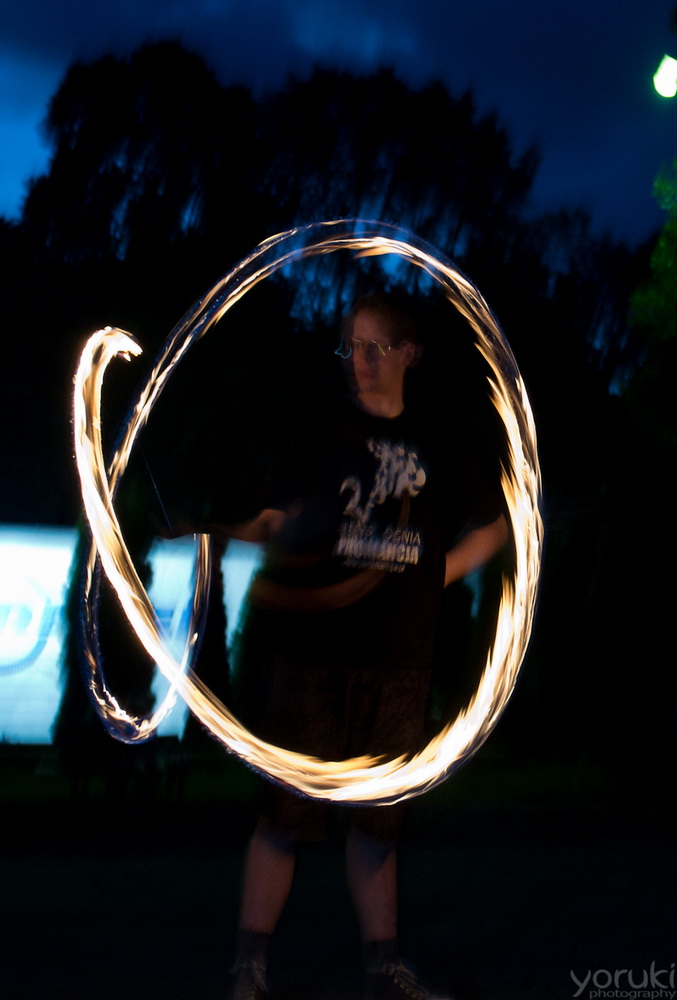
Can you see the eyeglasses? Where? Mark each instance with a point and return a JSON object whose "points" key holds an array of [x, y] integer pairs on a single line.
{"points": [[371, 348]]}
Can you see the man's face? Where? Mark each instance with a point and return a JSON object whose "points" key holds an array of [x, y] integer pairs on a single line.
{"points": [[377, 365]]}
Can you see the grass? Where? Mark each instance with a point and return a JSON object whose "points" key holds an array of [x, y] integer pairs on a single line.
{"points": [[34, 775]]}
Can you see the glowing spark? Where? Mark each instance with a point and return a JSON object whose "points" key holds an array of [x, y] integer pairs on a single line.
{"points": [[359, 779]]}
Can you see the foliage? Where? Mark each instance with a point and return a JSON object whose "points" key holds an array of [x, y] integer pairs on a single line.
{"points": [[654, 303]]}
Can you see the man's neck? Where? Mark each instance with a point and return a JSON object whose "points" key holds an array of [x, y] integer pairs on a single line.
{"points": [[380, 406]]}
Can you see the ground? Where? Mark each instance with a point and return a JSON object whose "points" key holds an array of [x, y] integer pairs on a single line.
{"points": [[504, 892]]}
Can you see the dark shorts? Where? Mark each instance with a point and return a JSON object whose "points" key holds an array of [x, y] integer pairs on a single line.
{"points": [[336, 712]]}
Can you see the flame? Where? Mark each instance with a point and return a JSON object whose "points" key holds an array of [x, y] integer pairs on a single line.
{"points": [[362, 779]]}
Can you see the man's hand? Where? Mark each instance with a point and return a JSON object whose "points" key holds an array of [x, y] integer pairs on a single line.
{"points": [[261, 528]]}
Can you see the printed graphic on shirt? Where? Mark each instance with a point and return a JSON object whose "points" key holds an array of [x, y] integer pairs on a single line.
{"points": [[364, 540]]}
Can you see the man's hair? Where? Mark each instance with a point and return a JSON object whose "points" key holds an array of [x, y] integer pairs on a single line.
{"points": [[397, 316]]}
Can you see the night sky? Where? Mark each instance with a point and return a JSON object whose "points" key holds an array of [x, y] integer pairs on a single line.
{"points": [[574, 76]]}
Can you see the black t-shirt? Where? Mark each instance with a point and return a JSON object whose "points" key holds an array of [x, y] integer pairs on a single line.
{"points": [[356, 573]]}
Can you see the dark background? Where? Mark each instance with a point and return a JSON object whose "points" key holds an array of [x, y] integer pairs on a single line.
{"points": [[574, 77], [553, 847]]}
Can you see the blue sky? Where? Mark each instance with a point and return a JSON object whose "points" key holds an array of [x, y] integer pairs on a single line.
{"points": [[571, 75]]}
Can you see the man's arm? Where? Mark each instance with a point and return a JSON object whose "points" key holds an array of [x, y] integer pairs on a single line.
{"points": [[261, 528], [475, 549]]}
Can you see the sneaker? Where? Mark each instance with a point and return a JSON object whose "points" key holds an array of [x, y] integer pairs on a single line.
{"points": [[249, 983], [397, 982]]}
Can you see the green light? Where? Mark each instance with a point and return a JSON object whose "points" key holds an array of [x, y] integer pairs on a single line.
{"points": [[665, 77]]}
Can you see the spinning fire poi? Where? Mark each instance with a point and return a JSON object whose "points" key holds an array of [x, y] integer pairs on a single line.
{"points": [[361, 779]]}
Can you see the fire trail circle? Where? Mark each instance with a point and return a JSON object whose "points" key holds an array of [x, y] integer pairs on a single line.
{"points": [[358, 780]]}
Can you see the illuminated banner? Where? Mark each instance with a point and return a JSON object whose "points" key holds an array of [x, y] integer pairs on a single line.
{"points": [[35, 564]]}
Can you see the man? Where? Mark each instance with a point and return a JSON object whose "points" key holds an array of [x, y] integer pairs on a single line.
{"points": [[350, 592]]}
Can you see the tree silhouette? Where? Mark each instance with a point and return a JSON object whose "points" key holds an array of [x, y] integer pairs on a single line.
{"points": [[161, 179]]}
